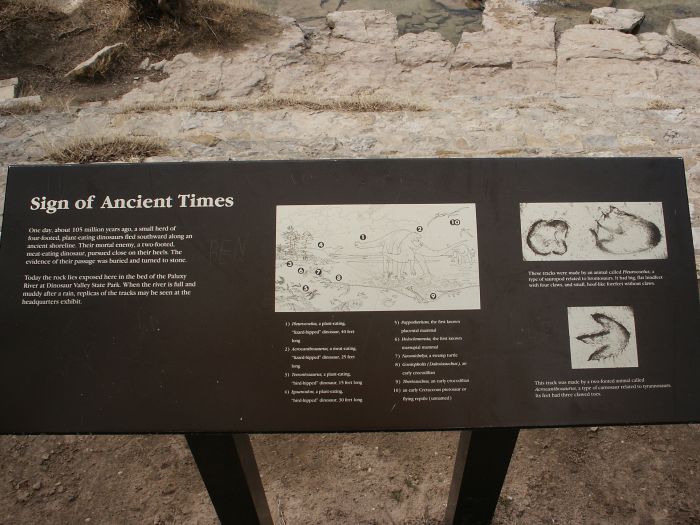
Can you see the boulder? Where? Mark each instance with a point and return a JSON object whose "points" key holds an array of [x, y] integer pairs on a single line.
{"points": [[8, 88], [594, 41], [415, 49], [659, 46], [98, 64], [374, 27], [625, 20], [513, 36], [685, 32]]}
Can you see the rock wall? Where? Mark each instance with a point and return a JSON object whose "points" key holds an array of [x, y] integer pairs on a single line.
{"points": [[510, 89]]}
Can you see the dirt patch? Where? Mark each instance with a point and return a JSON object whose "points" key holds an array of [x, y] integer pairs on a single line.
{"points": [[613, 476], [40, 45]]}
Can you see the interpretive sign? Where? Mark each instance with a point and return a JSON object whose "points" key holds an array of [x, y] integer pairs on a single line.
{"points": [[347, 295]]}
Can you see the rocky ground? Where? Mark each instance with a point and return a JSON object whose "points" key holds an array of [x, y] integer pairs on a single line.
{"points": [[513, 89]]}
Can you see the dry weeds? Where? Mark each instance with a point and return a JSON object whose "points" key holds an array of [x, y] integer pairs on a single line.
{"points": [[20, 108], [40, 45], [212, 23], [357, 104], [106, 149], [662, 105]]}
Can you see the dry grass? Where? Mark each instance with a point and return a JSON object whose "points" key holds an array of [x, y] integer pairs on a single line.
{"points": [[20, 108], [40, 45], [17, 12], [106, 149], [218, 23], [662, 105], [357, 104], [532, 104]]}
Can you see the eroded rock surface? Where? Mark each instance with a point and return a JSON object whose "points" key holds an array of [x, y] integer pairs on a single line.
{"points": [[686, 32], [513, 36], [508, 90], [625, 20]]}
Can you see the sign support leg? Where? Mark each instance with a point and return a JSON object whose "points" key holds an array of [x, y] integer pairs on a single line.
{"points": [[227, 465], [481, 465]]}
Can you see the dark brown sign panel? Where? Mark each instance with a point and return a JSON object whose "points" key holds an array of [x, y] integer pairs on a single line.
{"points": [[347, 295]]}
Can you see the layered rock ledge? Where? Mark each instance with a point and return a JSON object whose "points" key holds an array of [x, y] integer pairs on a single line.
{"points": [[510, 89]]}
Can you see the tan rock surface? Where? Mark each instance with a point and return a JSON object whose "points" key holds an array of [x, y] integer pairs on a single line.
{"points": [[686, 32], [625, 20]]}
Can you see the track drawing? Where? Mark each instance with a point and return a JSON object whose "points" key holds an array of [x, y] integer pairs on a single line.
{"points": [[580, 231], [602, 337], [372, 257]]}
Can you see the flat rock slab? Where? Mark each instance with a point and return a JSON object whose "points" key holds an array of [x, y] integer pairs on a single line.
{"points": [[415, 49], [8, 88], [685, 32], [513, 36], [98, 63], [625, 20]]}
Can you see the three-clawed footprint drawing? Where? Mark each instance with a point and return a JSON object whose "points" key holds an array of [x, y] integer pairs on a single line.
{"points": [[609, 342], [602, 337], [376, 257], [579, 231]]}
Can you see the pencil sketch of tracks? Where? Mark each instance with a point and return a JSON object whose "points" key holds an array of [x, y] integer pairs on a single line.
{"points": [[376, 257], [602, 337], [592, 231]]}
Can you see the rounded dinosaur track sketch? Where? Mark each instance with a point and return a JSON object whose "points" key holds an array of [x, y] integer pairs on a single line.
{"points": [[376, 257], [580, 231], [602, 337]]}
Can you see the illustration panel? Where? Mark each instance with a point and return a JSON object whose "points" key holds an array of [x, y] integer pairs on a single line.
{"points": [[590, 231], [378, 257], [602, 337]]}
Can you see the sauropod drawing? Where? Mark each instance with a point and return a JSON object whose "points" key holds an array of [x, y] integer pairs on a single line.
{"points": [[399, 249], [402, 250]]}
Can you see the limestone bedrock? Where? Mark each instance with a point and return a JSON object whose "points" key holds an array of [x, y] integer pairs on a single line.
{"points": [[686, 32], [509, 90], [625, 20]]}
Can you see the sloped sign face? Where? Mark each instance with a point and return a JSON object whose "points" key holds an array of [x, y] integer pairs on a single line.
{"points": [[347, 295]]}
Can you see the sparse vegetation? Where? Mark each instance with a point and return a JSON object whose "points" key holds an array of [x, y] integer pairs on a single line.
{"points": [[20, 108], [359, 104], [106, 149], [662, 104], [40, 44]]}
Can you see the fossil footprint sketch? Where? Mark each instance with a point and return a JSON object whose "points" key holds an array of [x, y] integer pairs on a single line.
{"points": [[579, 231], [602, 337], [376, 257]]}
